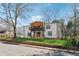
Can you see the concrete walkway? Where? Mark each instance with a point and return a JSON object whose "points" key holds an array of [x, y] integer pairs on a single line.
{"points": [[19, 50]]}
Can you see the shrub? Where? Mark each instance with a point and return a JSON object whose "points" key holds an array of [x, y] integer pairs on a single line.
{"points": [[73, 42], [68, 43]]}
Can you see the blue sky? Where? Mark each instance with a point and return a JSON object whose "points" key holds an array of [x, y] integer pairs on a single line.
{"points": [[60, 10]]}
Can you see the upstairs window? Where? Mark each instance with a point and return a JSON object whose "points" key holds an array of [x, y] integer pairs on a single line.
{"points": [[47, 26]]}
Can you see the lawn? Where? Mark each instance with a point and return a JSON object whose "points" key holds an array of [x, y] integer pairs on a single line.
{"points": [[3, 36], [42, 40]]}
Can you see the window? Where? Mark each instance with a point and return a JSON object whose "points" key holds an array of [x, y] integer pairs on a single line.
{"points": [[48, 27], [29, 34], [49, 33]]}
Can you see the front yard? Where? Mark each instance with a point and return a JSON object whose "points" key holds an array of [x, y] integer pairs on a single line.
{"points": [[42, 40], [54, 43]]}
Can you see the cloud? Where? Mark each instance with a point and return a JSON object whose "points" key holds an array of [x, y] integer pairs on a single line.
{"points": [[35, 18]]}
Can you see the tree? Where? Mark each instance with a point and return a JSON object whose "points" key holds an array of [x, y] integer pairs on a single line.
{"points": [[75, 21], [13, 12], [76, 14], [48, 14], [69, 27]]}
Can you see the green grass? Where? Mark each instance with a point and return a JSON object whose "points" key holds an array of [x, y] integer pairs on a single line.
{"points": [[3, 36], [42, 40]]}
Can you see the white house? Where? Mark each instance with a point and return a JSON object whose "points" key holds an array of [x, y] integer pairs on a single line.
{"points": [[48, 30], [23, 31]]}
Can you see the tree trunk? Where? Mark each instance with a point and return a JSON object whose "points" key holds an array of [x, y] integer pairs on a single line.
{"points": [[14, 33]]}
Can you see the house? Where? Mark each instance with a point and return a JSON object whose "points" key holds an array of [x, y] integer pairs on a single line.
{"points": [[5, 29], [39, 29], [23, 31]]}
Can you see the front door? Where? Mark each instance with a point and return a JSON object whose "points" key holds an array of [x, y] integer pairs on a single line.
{"points": [[38, 34]]}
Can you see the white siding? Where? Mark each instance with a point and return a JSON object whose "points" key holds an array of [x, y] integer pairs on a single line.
{"points": [[54, 28], [19, 31], [27, 31], [23, 31]]}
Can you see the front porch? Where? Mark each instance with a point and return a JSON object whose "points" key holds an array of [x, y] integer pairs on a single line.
{"points": [[37, 34], [37, 29]]}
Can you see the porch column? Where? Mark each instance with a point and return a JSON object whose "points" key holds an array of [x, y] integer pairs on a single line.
{"points": [[41, 33]]}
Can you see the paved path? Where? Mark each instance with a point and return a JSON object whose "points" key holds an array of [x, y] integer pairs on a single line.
{"points": [[19, 50]]}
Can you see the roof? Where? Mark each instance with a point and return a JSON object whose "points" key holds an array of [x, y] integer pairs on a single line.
{"points": [[37, 23]]}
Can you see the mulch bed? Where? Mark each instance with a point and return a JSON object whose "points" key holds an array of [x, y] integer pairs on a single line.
{"points": [[39, 44]]}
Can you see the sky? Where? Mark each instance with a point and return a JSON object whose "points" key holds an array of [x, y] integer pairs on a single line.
{"points": [[60, 10]]}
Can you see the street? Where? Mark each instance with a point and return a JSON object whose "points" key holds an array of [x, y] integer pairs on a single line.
{"points": [[19, 50]]}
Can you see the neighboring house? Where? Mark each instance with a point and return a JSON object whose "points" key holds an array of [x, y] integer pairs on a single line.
{"points": [[5, 29], [39, 29], [23, 31]]}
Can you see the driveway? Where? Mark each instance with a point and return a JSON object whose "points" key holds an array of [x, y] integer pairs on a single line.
{"points": [[28, 50]]}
